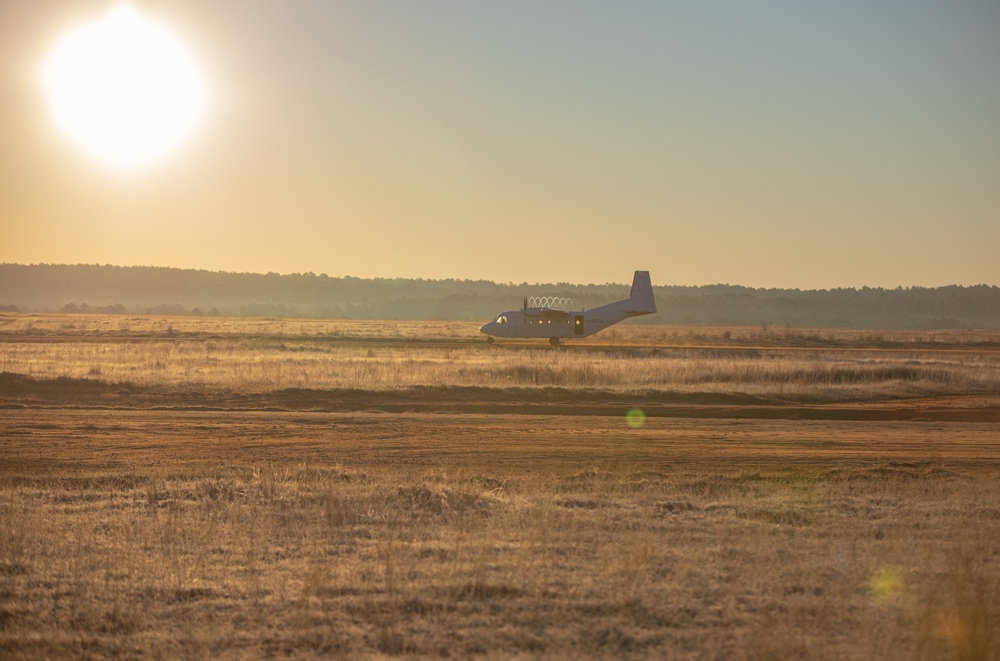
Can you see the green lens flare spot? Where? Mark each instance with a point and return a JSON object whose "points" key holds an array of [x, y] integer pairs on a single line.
{"points": [[635, 418], [885, 582]]}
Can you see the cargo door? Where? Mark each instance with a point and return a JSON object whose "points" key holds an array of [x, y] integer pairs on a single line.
{"points": [[578, 324]]}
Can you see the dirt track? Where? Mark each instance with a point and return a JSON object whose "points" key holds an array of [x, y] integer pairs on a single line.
{"points": [[82, 421], [88, 438]]}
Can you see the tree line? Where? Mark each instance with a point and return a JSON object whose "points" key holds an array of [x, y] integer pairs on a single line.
{"points": [[144, 289]]}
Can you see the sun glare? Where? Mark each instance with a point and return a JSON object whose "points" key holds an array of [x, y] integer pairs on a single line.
{"points": [[124, 89]]}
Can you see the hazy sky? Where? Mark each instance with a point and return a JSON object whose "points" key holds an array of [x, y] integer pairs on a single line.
{"points": [[768, 144]]}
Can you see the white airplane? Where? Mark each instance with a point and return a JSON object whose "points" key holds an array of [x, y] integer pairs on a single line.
{"points": [[559, 324]]}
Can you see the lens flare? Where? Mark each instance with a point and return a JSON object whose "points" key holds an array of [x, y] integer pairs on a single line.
{"points": [[635, 418], [885, 582]]}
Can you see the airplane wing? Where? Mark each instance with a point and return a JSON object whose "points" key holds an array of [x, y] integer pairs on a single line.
{"points": [[546, 313]]}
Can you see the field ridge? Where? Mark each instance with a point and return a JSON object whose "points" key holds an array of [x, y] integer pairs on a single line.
{"points": [[20, 391]]}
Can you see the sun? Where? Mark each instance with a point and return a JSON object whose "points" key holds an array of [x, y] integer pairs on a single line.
{"points": [[124, 89]]}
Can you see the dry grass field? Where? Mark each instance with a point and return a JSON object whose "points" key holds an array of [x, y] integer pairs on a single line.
{"points": [[223, 488]]}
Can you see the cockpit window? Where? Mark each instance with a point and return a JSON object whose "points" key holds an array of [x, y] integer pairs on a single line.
{"points": [[501, 319]]}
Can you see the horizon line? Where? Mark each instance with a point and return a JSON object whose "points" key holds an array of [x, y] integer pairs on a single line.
{"points": [[495, 282]]}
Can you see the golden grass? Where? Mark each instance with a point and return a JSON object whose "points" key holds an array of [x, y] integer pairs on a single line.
{"points": [[258, 356], [177, 327], [241, 533], [324, 537], [180, 327]]}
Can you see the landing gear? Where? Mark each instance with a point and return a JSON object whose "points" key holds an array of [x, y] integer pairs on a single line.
{"points": [[489, 339], [554, 341]]}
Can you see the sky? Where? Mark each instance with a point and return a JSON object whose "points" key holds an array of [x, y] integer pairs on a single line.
{"points": [[806, 145]]}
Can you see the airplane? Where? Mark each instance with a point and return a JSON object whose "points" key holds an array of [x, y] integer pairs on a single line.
{"points": [[561, 324]]}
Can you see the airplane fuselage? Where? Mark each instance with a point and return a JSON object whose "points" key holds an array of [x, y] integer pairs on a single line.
{"points": [[536, 322], [561, 324]]}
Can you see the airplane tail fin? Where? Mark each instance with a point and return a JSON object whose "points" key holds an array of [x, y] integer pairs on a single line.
{"points": [[641, 298]]}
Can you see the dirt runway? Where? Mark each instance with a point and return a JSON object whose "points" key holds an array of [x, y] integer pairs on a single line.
{"points": [[36, 442]]}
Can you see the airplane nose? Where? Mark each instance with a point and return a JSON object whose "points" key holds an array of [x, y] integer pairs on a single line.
{"points": [[482, 329]]}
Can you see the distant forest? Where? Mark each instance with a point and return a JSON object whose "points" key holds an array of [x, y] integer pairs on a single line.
{"points": [[141, 289]]}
